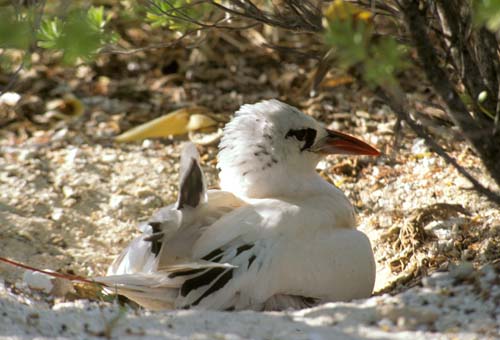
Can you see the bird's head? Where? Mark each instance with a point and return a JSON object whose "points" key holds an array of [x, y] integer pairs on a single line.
{"points": [[269, 145]]}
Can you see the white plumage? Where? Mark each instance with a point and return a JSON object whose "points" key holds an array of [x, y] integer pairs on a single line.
{"points": [[275, 236]]}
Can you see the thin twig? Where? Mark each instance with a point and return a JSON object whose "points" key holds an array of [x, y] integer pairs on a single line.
{"points": [[12, 80], [487, 147], [112, 50], [176, 13], [249, 10], [53, 274]]}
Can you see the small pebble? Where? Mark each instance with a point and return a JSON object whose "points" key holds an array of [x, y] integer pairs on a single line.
{"points": [[437, 280], [68, 191], [419, 146], [57, 214], [109, 158], [38, 281], [60, 134], [26, 154], [385, 324], [72, 155], [147, 143], [116, 201], [462, 271], [9, 98]]}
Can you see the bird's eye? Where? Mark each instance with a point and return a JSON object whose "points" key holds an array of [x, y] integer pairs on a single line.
{"points": [[308, 135], [300, 135]]}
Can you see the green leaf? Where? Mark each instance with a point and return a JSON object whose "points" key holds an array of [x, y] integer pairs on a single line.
{"points": [[15, 30], [350, 42], [487, 12], [50, 31], [386, 58], [175, 14], [96, 17], [351, 39], [80, 35], [79, 38]]}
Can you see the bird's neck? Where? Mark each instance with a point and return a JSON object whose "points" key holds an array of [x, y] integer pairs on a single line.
{"points": [[276, 182]]}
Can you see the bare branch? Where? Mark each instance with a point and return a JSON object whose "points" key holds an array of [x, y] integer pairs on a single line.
{"points": [[456, 20], [422, 132], [480, 137], [436, 75], [309, 21]]}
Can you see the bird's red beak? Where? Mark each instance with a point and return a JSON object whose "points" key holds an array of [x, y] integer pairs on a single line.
{"points": [[340, 143]]}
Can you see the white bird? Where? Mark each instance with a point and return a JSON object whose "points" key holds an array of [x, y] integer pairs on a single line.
{"points": [[275, 236]]}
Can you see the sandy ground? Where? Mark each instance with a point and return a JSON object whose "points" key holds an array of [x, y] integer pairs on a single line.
{"points": [[458, 305]]}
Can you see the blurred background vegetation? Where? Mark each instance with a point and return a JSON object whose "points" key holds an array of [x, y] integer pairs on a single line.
{"points": [[454, 43]]}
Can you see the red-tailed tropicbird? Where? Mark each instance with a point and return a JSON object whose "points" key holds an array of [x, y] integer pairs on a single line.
{"points": [[275, 236]]}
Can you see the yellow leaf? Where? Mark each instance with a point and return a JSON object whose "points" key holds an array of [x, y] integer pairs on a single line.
{"points": [[421, 155], [341, 10], [198, 121], [339, 183], [66, 108], [337, 81], [205, 138], [174, 123]]}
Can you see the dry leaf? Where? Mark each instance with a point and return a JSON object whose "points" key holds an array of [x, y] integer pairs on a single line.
{"points": [[337, 81], [341, 10], [199, 121], [66, 108], [177, 122], [205, 138]]}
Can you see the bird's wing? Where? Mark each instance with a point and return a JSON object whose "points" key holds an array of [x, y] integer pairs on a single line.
{"points": [[242, 238], [181, 275], [268, 254], [166, 243], [299, 251], [177, 247], [139, 256], [158, 261]]}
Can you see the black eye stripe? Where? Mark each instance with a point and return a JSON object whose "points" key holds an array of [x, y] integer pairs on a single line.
{"points": [[300, 135], [310, 138], [308, 135]]}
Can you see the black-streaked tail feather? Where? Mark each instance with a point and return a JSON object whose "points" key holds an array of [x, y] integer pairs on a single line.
{"points": [[190, 188], [192, 185]]}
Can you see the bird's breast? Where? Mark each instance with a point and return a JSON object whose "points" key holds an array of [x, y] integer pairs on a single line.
{"points": [[333, 265]]}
